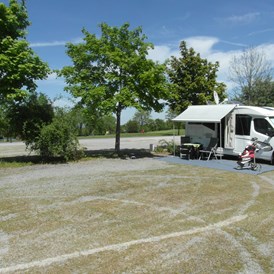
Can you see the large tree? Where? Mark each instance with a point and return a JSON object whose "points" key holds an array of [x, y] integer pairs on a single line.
{"points": [[20, 67], [248, 71], [193, 80], [112, 72]]}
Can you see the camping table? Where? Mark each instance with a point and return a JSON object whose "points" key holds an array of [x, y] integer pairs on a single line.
{"points": [[194, 149]]}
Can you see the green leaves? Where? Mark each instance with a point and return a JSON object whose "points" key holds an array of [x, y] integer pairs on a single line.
{"points": [[58, 140], [112, 72], [20, 67], [193, 80], [116, 61], [13, 20], [27, 116]]}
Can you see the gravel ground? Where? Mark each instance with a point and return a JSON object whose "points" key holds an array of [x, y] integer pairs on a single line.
{"points": [[133, 216]]}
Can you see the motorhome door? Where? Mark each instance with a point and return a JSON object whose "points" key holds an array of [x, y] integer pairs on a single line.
{"points": [[230, 131]]}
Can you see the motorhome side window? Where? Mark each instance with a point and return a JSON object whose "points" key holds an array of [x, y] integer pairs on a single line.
{"points": [[243, 124], [262, 126], [209, 125]]}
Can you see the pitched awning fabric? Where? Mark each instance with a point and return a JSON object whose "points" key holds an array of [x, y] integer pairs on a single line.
{"points": [[204, 113]]}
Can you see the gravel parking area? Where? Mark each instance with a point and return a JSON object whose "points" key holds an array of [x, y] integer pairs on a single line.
{"points": [[134, 216]]}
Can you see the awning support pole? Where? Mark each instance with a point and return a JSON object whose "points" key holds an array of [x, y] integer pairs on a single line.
{"points": [[174, 139], [221, 145]]}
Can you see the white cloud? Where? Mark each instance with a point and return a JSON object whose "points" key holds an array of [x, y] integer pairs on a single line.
{"points": [[243, 19], [202, 44], [161, 53], [48, 44], [53, 79], [56, 43], [268, 50], [261, 31], [52, 76]]}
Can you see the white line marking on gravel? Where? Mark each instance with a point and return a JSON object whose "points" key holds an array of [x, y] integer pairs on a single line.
{"points": [[121, 246], [256, 192], [268, 180], [250, 265]]}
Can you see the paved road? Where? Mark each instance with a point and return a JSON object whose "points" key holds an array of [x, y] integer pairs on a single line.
{"points": [[18, 148]]}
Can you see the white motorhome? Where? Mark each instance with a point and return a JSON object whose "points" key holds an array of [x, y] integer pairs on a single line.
{"points": [[234, 125]]}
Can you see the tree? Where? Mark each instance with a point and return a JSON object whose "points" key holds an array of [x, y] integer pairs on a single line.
{"points": [[246, 71], [27, 117], [112, 73], [193, 80], [132, 126], [19, 65], [262, 93], [161, 124], [142, 117]]}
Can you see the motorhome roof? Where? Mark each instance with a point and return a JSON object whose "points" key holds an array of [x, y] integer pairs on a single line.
{"points": [[215, 113], [260, 111]]}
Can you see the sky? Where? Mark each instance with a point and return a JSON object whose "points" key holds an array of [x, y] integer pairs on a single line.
{"points": [[216, 29]]}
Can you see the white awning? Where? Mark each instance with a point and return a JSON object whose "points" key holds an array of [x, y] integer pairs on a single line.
{"points": [[204, 113]]}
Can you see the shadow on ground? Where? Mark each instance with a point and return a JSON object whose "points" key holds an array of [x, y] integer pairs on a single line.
{"points": [[32, 159], [123, 154], [106, 153]]}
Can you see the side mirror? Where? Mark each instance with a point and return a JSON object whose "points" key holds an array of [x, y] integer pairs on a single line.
{"points": [[270, 133]]}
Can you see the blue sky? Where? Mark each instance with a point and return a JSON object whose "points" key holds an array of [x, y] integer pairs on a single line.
{"points": [[216, 29]]}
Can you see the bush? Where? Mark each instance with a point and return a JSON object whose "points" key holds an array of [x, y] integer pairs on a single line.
{"points": [[58, 139]]}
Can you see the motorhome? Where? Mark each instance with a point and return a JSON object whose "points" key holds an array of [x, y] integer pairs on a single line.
{"points": [[234, 125]]}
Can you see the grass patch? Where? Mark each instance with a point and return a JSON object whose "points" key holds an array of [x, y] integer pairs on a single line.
{"points": [[14, 164], [169, 132]]}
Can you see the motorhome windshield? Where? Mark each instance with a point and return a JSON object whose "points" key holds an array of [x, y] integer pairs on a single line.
{"points": [[261, 125]]}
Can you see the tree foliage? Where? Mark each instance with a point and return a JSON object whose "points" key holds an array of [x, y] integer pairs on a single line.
{"points": [[19, 65], [193, 80], [58, 140], [248, 71], [142, 117], [26, 117], [261, 94], [112, 72], [4, 123]]}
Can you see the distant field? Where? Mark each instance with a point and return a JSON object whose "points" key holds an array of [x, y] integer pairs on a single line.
{"points": [[135, 216], [169, 132]]}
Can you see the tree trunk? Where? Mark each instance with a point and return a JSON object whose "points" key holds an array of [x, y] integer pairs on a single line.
{"points": [[118, 128]]}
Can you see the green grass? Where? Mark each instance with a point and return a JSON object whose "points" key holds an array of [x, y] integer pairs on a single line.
{"points": [[169, 132], [13, 164]]}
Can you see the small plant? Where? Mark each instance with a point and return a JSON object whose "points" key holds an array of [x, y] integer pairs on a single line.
{"points": [[167, 146]]}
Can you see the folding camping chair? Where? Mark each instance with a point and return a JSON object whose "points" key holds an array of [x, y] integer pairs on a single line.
{"points": [[210, 149], [185, 150]]}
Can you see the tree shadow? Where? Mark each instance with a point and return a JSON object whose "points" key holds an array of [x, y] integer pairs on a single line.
{"points": [[122, 154], [32, 159], [102, 153]]}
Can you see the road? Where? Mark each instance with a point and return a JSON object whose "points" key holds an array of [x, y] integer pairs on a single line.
{"points": [[19, 148]]}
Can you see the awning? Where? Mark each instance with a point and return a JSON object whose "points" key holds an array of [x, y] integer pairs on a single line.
{"points": [[204, 113]]}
